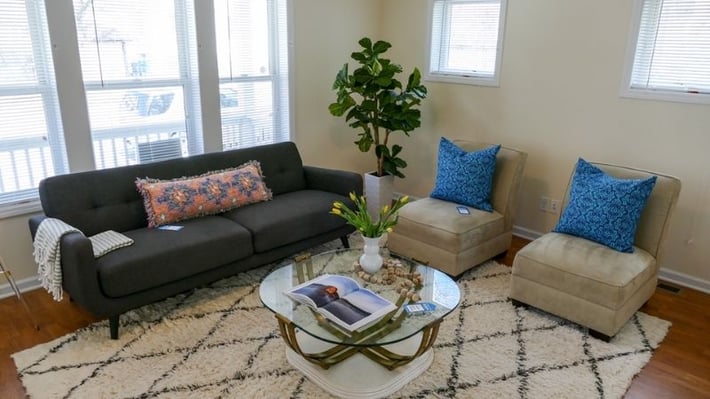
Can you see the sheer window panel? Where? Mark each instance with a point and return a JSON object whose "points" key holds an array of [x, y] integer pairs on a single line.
{"points": [[139, 68], [466, 41], [252, 57], [669, 51], [31, 139]]}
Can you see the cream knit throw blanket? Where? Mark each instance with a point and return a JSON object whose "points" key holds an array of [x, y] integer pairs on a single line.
{"points": [[47, 254]]}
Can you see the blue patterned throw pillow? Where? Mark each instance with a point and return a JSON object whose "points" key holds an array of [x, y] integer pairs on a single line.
{"points": [[604, 209], [465, 177]]}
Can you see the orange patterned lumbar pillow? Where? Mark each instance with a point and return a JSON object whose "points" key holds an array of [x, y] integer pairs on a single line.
{"points": [[168, 201]]}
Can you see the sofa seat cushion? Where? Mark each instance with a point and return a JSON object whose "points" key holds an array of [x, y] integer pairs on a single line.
{"points": [[161, 256], [439, 224], [288, 218], [584, 268]]}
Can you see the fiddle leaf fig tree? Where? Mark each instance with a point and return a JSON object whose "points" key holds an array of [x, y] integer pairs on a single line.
{"points": [[377, 104]]}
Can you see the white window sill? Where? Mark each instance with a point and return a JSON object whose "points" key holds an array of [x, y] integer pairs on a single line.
{"points": [[24, 208], [462, 79], [660, 95]]}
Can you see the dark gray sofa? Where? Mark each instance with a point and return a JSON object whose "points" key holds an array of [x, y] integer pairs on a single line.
{"points": [[163, 263]]}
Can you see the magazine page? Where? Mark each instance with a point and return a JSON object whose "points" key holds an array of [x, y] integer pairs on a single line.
{"points": [[323, 289], [342, 300], [358, 309]]}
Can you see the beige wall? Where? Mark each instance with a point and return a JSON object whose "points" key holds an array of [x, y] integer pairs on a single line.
{"points": [[325, 33], [558, 100]]}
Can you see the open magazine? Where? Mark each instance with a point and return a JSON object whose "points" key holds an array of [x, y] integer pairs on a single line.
{"points": [[342, 300]]}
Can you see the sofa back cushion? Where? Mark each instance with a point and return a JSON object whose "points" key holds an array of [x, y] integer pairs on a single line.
{"points": [[100, 200]]}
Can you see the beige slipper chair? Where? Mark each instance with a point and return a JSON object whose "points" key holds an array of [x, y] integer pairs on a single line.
{"points": [[592, 284], [432, 231]]}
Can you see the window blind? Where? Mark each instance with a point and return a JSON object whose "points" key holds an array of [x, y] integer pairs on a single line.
{"points": [[465, 37], [252, 58], [31, 139], [673, 47], [139, 69]]}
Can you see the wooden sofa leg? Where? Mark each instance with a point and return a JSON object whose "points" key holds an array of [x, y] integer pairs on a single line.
{"points": [[598, 335], [344, 240], [113, 326]]}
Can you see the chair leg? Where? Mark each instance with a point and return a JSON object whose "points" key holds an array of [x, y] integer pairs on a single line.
{"points": [[600, 336], [344, 240], [113, 326]]}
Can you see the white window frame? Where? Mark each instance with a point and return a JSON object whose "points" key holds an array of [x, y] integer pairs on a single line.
{"points": [[192, 124], [27, 200], [470, 78], [628, 91]]}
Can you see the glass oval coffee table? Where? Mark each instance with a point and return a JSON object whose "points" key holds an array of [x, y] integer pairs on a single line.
{"points": [[371, 362]]}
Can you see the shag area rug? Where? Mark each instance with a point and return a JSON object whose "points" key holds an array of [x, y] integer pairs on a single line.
{"points": [[220, 342]]}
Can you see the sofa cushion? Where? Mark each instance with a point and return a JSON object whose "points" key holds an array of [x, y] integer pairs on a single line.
{"points": [[439, 224], [584, 268], [603, 208], [161, 256], [168, 201], [465, 177], [288, 218]]}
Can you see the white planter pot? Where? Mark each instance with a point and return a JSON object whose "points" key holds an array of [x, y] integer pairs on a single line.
{"points": [[371, 260], [378, 191]]}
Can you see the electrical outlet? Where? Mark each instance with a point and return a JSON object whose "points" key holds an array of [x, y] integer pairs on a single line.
{"points": [[544, 204], [554, 206]]}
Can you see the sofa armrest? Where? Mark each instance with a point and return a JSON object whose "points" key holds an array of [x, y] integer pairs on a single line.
{"points": [[337, 181], [79, 275], [34, 222]]}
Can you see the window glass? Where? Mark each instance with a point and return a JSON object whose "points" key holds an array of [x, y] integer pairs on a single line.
{"points": [[135, 65], [670, 53], [31, 139], [253, 71], [466, 40]]}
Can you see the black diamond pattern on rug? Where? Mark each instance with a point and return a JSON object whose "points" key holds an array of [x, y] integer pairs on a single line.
{"points": [[220, 342]]}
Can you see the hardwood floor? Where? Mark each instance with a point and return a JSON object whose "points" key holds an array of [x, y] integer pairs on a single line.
{"points": [[680, 368]]}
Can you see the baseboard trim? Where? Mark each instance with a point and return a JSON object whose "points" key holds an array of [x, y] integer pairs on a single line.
{"points": [[26, 284], [525, 233], [684, 280]]}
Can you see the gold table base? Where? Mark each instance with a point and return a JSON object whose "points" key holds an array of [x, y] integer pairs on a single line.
{"points": [[340, 352]]}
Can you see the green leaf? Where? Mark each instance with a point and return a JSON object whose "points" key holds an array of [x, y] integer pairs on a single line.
{"points": [[359, 56], [336, 109], [365, 142], [376, 67], [396, 149], [383, 81], [366, 43], [415, 79], [369, 105], [380, 47]]}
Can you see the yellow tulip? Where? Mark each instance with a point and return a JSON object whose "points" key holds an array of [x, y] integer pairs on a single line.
{"points": [[337, 204], [385, 208], [404, 199], [336, 211], [352, 196], [389, 229]]}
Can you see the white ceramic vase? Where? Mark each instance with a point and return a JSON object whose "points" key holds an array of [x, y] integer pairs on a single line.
{"points": [[371, 260]]}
